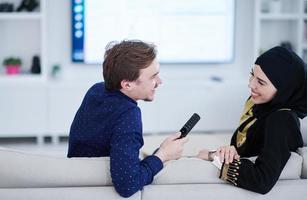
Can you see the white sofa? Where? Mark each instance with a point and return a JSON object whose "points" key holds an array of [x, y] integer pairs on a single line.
{"points": [[30, 176]]}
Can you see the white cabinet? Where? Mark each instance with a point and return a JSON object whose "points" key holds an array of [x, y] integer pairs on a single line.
{"points": [[279, 21], [40, 110], [64, 101], [23, 111], [22, 35], [218, 104]]}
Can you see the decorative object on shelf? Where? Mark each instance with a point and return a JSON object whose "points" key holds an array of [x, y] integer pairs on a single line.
{"points": [[28, 5], [287, 45], [55, 72], [12, 65], [6, 7], [36, 65], [275, 6], [265, 7]]}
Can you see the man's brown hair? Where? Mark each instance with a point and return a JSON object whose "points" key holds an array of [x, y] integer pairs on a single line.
{"points": [[124, 60]]}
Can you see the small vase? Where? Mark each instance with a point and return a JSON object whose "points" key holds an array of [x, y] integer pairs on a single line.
{"points": [[12, 69]]}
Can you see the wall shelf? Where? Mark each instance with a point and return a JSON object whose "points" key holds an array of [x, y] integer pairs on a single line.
{"points": [[23, 35], [279, 17], [21, 79], [285, 25], [21, 16]]}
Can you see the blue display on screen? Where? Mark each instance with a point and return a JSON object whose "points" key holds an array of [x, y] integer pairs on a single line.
{"points": [[77, 30]]}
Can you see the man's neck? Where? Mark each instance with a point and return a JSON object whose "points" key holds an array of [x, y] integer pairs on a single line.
{"points": [[128, 94]]}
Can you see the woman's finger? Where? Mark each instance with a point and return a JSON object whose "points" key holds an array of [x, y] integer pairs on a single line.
{"points": [[227, 154]]}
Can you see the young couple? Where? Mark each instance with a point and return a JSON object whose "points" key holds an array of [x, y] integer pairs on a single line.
{"points": [[108, 122]]}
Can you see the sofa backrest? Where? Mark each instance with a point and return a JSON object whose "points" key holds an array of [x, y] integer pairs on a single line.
{"points": [[23, 170], [20, 169]]}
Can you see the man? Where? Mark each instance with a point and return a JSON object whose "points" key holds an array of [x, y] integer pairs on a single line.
{"points": [[108, 122]]}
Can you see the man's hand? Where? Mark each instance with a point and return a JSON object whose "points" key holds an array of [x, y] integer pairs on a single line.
{"points": [[227, 154], [171, 148]]}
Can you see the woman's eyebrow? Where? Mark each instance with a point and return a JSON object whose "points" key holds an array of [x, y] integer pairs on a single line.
{"points": [[261, 80]]}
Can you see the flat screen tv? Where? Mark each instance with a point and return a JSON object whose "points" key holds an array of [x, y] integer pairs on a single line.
{"points": [[196, 31]]}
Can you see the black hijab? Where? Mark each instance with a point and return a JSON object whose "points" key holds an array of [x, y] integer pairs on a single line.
{"points": [[288, 74]]}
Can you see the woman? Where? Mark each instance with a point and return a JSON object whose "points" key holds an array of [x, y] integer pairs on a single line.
{"points": [[269, 127]]}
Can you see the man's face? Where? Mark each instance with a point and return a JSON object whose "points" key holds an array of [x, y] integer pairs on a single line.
{"points": [[145, 86]]}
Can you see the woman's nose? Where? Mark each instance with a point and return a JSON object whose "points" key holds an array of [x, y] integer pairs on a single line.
{"points": [[251, 83]]}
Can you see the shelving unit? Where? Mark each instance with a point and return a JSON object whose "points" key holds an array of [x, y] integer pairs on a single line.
{"points": [[284, 22], [23, 35], [23, 96]]}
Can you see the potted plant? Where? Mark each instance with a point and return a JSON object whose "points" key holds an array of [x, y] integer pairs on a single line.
{"points": [[12, 65]]}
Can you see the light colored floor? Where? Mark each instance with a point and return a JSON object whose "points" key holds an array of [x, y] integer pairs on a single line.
{"points": [[196, 142]]}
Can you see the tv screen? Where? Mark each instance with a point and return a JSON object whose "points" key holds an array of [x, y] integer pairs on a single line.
{"points": [[197, 31]]}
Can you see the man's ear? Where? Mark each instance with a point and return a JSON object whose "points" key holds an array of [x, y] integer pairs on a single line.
{"points": [[126, 85]]}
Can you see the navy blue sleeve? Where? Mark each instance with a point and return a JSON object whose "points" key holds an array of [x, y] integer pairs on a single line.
{"points": [[129, 174]]}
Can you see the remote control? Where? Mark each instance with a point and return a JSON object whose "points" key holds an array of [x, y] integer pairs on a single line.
{"points": [[189, 125]]}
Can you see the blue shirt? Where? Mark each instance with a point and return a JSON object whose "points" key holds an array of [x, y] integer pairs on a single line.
{"points": [[110, 124]]}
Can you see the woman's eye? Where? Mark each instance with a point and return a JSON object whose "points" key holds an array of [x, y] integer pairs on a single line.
{"points": [[252, 74], [260, 83]]}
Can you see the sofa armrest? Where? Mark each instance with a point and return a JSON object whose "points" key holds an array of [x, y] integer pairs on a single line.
{"points": [[193, 170], [303, 153]]}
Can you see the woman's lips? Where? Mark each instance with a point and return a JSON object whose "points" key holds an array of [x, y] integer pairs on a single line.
{"points": [[254, 94]]}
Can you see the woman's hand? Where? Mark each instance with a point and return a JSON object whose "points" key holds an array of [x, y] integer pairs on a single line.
{"points": [[227, 154], [203, 154]]}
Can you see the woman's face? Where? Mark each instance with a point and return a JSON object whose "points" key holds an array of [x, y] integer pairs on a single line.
{"points": [[262, 90]]}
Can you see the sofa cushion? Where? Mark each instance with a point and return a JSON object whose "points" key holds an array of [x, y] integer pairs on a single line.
{"points": [[293, 168], [283, 190], [303, 153], [188, 170], [20, 169], [64, 193]]}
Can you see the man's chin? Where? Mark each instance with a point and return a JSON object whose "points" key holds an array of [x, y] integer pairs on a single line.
{"points": [[149, 99]]}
